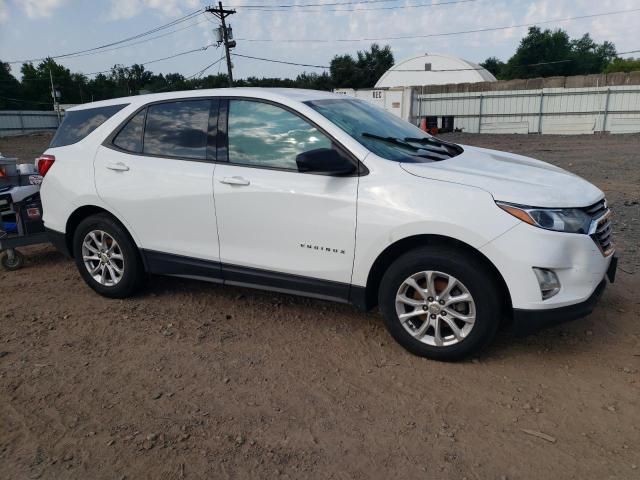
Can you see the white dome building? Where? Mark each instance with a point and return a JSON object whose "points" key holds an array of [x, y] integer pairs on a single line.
{"points": [[434, 69]]}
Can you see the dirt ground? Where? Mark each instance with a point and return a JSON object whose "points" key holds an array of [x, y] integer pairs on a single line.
{"points": [[191, 380]]}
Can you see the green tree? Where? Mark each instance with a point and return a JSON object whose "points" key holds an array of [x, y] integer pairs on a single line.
{"points": [[494, 65], [314, 81], [344, 72], [211, 81], [130, 80], [545, 53], [374, 63], [101, 88], [589, 57], [362, 71], [36, 83], [10, 89], [540, 54], [623, 65]]}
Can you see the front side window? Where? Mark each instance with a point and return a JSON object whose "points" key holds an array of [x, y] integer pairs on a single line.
{"points": [[261, 134], [130, 137], [77, 124], [177, 129]]}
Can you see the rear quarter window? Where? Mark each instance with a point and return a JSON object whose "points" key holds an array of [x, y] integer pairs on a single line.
{"points": [[129, 138], [78, 124]]}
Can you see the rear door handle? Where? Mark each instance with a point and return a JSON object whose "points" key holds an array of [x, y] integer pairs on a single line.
{"points": [[117, 166], [235, 181]]}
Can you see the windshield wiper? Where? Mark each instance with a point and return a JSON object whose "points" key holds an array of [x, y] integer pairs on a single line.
{"points": [[435, 142], [395, 141], [421, 151], [428, 147], [420, 139]]}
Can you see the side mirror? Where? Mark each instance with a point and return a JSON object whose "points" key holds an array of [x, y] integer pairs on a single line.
{"points": [[324, 160]]}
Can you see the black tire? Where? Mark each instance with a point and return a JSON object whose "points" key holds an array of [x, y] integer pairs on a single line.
{"points": [[133, 275], [12, 264], [476, 277]]}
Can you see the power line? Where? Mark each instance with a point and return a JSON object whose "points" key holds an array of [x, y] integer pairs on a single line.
{"points": [[444, 34], [294, 5], [280, 61], [159, 59], [134, 37], [404, 70], [201, 72], [139, 42], [300, 9]]}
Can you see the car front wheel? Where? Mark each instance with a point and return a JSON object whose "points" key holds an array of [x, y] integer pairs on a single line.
{"points": [[440, 303]]}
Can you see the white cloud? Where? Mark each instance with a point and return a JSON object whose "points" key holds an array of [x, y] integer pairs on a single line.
{"points": [[40, 8], [124, 9], [169, 8], [4, 11]]}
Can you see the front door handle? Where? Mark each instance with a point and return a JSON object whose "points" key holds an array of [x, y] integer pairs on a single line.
{"points": [[117, 166], [235, 181]]}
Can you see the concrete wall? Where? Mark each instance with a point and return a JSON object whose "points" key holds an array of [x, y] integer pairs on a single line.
{"points": [[578, 81]]}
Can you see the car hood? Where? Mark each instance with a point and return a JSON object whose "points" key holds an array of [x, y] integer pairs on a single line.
{"points": [[511, 178]]}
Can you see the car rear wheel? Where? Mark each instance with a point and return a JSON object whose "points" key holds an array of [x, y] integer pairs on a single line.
{"points": [[440, 303], [106, 257]]}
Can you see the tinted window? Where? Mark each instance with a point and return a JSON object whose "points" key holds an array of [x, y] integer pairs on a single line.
{"points": [[177, 129], [78, 124], [130, 137], [269, 136]]}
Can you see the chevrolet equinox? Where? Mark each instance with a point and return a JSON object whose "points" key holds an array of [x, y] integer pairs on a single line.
{"points": [[327, 196]]}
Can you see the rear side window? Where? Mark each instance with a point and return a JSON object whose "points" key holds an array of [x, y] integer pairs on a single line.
{"points": [[130, 137], [78, 124], [177, 129]]}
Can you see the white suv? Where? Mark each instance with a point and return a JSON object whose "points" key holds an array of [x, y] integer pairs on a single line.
{"points": [[327, 196]]}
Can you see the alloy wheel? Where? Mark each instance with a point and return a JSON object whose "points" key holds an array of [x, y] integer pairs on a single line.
{"points": [[103, 258], [435, 308]]}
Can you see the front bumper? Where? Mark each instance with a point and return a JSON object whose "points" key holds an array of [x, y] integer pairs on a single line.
{"points": [[574, 258], [526, 322]]}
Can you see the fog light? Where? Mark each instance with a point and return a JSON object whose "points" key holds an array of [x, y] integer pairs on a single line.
{"points": [[548, 281]]}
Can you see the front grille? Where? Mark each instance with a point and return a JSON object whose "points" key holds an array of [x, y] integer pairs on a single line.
{"points": [[601, 232]]}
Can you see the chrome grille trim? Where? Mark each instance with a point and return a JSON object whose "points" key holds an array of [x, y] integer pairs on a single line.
{"points": [[597, 209], [601, 230]]}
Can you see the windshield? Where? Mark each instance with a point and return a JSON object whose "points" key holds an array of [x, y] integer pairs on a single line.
{"points": [[382, 132]]}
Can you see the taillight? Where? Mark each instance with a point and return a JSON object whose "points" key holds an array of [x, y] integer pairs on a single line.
{"points": [[44, 163]]}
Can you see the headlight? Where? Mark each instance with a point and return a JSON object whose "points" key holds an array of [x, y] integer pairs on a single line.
{"points": [[570, 220]]}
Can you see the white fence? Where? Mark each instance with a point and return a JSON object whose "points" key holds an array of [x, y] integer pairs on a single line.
{"points": [[19, 122], [614, 109]]}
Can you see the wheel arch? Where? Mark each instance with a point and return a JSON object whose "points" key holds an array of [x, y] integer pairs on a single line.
{"points": [[366, 298], [79, 214]]}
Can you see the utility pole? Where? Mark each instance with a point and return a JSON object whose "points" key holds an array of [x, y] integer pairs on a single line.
{"points": [[54, 96], [229, 43]]}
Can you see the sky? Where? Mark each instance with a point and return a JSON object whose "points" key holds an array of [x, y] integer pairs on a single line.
{"points": [[37, 28]]}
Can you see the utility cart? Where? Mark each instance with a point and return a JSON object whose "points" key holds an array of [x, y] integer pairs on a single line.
{"points": [[20, 211]]}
